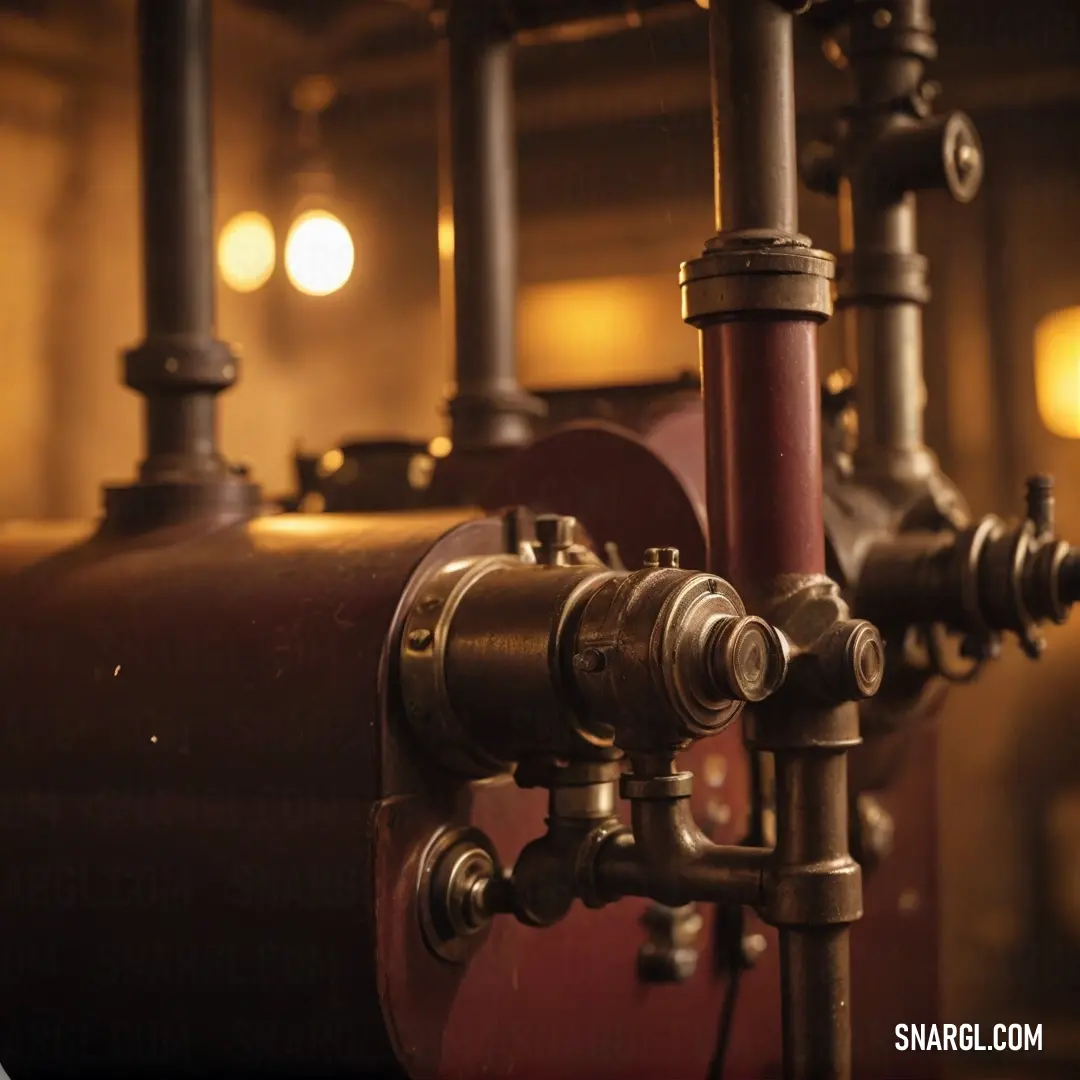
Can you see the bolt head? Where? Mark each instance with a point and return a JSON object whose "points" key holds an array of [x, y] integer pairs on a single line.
{"points": [[665, 557], [418, 640], [589, 660]]}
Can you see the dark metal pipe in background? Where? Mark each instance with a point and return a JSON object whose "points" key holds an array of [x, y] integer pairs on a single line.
{"points": [[180, 367], [890, 391], [177, 171], [177, 211], [891, 147], [489, 410]]}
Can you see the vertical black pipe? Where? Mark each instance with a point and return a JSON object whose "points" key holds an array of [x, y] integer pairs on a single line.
{"points": [[750, 45], [489, 410], [178, 248], [891, 389], [180, 367], [891, 149], [177, 171]]}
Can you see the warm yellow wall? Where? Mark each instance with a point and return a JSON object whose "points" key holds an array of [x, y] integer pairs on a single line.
{"points": [[30, 190]]}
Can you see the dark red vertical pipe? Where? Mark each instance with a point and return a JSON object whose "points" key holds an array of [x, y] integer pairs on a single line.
{"points": [[763, 449]]}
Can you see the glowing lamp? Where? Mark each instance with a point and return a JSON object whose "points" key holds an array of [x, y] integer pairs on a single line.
{"points": [[247, 252], [446, 237], [1057, 372], [440, 447], [319, 253]]}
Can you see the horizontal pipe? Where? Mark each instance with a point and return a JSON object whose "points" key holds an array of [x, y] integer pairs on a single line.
{"points": [[667, 858]]}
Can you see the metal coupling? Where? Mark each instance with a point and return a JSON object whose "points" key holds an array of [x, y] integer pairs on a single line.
{"points": [[554, 538], [670, 952], [744, 273], [671, 656], [826, 893], [548, 654], [832, 659]]}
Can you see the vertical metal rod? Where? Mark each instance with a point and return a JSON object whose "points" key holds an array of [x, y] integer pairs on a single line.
{"points": [[759, 374], [177, 174], [750, 45], [489, 410], [177, 205], [814, 960]]}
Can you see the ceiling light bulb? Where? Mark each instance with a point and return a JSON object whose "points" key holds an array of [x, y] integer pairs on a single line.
{"points": [[247, 252], [319, 253]]}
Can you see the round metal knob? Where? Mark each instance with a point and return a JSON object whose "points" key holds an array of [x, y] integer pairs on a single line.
{"points": [[457, 880], [747, 658], [862, 659]]}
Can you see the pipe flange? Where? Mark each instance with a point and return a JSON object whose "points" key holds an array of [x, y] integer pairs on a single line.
{"points": [[970, 547], [588, 888], [175, 364], [674, 786], [1046, 581], [735, 280], [423, 671], [458, 873]]}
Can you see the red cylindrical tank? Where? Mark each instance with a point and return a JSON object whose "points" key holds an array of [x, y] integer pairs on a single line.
{"points": [[191, 761], [211, 818], [634, 489]]}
